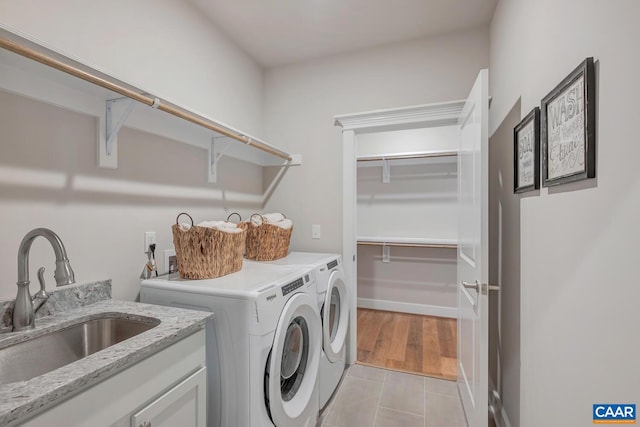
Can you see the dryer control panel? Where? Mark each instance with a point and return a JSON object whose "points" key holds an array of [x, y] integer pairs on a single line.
{"points": [[290, 287]]}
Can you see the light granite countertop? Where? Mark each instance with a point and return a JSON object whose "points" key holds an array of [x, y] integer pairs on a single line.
{"points": [[20, 400]]}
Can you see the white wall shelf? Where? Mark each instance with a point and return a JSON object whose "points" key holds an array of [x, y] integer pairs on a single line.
{"points": [[407, 159], [408, 242], [408, 156], [32, 70], [386, 243]]}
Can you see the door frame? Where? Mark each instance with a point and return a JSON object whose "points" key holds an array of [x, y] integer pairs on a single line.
{"points": [[412, 117]]}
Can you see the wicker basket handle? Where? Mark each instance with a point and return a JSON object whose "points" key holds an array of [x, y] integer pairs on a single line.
{"points": [[261, 219], [184, 213], [283, 215], [234, 213]]}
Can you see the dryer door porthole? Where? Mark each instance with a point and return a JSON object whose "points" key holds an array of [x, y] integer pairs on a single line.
{"points": [[335, 317], [294, 358], [292, 368]]}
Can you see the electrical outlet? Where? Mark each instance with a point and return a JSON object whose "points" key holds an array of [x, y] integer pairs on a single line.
{"points": [[316, 232], [170, 261], [149, 239], [173, 264]]}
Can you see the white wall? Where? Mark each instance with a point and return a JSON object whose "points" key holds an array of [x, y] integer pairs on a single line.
{"points": [[408, 141], [165, 47], [420, 199], [421, 281], [302, 99], [579, 293]]}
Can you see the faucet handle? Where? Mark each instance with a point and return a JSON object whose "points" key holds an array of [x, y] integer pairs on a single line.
{"points": [[42, 293]]}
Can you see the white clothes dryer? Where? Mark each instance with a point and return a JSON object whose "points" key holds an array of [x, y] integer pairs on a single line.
{"points": [[263, 343], [333, 303]]}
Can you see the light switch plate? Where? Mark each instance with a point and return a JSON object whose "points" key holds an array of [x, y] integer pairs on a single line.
{"points": [[316, 231]]}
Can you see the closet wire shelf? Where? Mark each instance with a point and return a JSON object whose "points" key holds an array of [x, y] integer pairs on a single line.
{"points": [[407, 243], [407, 156]]}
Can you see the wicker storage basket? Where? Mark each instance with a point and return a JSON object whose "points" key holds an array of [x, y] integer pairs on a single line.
{"points": [[205, 253], [266, 242]]}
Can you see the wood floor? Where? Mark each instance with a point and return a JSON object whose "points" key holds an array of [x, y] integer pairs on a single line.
{"points": [[412, 343]]}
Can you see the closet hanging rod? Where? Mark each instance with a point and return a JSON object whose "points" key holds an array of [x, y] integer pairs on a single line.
{"points": [[407, 156], [150, 101], [409, 245]]}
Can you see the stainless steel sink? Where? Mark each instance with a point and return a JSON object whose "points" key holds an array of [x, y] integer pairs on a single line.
{"points": [[37, 356]]}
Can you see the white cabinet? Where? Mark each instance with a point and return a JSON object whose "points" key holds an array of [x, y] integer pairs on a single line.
{"points": [[167, 388], [182, 405]]}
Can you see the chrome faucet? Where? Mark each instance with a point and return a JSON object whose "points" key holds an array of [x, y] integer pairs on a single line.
{"points": [[23, 310]]}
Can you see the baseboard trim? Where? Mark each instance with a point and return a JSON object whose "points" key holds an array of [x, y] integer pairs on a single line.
{"points": [[407, 307], [495, 401], [505, 419]]}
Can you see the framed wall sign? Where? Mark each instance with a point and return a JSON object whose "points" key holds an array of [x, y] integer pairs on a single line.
{"points": [[526, 153], [568, 119]]}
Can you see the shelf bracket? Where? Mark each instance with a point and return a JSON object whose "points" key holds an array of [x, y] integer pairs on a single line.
{"points": [[386, 253], [386, 171], [114, 127], [214, 156], [108, 138]]}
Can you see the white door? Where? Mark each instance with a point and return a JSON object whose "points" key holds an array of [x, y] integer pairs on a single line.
{"points": [[473, 249]]}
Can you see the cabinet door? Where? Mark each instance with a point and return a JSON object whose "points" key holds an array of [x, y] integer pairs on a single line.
{"points": [[182, 405]]}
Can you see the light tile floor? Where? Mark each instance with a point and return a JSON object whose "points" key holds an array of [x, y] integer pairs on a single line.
{"points": [[372, 397]]}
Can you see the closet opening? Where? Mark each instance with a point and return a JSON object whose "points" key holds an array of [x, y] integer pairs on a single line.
{"points": [[403, 209], [406, 222]]}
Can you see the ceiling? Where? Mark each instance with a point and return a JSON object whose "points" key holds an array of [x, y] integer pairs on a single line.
{"points": [[277, 32]]}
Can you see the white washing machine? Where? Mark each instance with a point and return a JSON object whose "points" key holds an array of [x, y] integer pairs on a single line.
{"points": [[263, 343], [333, 304]]}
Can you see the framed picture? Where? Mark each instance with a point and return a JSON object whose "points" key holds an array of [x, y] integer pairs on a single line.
{"points": [[526, 153], [568, 118]]}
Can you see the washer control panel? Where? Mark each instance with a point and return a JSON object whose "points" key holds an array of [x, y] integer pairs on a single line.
{"points": [[332, 264]]}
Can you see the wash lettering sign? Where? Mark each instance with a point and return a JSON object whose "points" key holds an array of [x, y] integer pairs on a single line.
{"points": [[605, 413]]}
